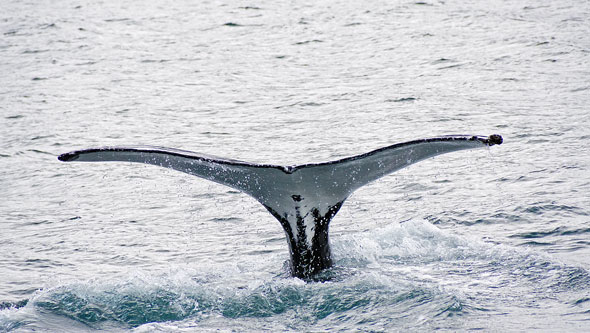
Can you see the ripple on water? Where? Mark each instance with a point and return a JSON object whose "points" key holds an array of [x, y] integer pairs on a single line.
{"points": [[139, 300]]}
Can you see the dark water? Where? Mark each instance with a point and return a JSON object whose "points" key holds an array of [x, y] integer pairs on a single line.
{"points": [[494, 239]]}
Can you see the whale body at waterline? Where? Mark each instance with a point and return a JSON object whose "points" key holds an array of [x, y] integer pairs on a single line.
{"points": [[303, 198]]}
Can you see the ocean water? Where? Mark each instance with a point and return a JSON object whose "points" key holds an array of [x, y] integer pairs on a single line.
{"points": [[493, 239]]}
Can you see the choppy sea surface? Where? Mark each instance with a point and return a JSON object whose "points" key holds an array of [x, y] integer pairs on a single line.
{"points": [[493, 239]]}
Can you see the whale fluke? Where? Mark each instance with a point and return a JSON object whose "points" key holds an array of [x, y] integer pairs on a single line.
{"points": [[303, 198]]}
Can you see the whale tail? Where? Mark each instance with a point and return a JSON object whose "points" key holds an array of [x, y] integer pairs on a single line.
{"points": [[303, 198]]}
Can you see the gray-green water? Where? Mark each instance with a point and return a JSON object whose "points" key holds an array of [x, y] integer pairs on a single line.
{"points": [[492, 239]]}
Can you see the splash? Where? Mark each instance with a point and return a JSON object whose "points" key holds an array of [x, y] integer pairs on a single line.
{"points": [[397, 276]]}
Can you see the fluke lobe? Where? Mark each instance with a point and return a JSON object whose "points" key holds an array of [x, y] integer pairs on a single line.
{"points": [[304, 198]]}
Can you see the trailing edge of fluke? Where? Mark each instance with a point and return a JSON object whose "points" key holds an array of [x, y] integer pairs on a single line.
{"points": [[303, 198]]}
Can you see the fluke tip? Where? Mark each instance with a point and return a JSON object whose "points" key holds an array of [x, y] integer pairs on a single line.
{"points": [[495, 139], [67, 157]]}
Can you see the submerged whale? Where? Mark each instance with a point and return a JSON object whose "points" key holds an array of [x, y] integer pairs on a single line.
{"points": [[304, 198]]}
